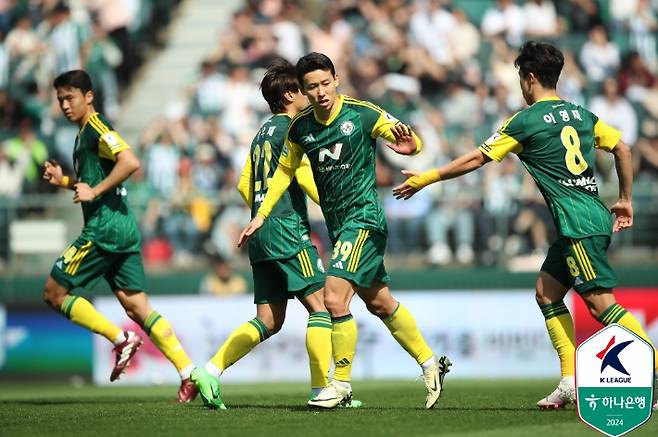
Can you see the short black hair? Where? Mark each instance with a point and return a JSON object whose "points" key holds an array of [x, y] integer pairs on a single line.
{"points": [[311, 62], [543, 60], [279, 79], [74, 79]]}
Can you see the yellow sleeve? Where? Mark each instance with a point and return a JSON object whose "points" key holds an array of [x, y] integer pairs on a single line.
{"points": [[246, 183], [110, 144], [291, 156], [499, 145], [382, 129], [605, 137], [304, 175]]}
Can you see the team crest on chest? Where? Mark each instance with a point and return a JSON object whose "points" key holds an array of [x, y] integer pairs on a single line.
{"points": [[347, 127]]}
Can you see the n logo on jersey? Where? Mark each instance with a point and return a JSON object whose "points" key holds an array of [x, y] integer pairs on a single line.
{"points": [[333, 153]]}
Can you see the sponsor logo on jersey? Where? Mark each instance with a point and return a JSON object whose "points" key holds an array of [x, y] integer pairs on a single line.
{"points": [[586, 182], [308, 139], [347, 127], [333, 152], [338, 265]]}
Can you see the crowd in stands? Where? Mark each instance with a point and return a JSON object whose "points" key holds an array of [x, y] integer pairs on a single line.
{"points": [[40, 39], [444, 66]]}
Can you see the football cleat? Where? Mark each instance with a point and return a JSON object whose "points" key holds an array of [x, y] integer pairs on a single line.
{"points": [[208, 387], [352, 403], [332, 396], [187, 391], [433, 378], [124, 353], [564, 394]]}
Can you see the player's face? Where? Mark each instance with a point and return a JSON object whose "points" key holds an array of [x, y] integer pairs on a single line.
{"points": [[320, 88], [73, 103]]}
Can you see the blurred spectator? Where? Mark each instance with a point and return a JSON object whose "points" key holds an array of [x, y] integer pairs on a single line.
{"points": [[583, 15], [222, 280], [616, 111], [65, 38], [572, 82], [12, 170], [209, 90], [599, 57], [464, 39], [643, 25], [505, 19], [115, 17], [634, 78], [541, 18], [27, 143]]}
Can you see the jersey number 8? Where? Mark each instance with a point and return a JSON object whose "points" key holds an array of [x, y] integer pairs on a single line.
{"points": [[574, 158]]}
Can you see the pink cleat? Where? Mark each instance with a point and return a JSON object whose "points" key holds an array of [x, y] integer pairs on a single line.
{"points": [[124, 353], [187, 391]]}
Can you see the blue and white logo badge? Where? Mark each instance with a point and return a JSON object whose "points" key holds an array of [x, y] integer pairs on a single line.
{"points": [[614, 380]]}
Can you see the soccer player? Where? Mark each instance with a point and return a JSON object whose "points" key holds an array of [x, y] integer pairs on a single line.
{"points": [[338, 134], [109, 244], [556, 141], [285, 264]]}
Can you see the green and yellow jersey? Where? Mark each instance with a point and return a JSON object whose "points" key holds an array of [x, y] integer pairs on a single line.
{"points": [[555, 141], [286, 231], [108, 221], [341, 151]]}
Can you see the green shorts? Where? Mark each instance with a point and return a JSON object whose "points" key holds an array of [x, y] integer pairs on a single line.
{"points": [[82, 264], [358, 256], [279, 280], [581, 264]]}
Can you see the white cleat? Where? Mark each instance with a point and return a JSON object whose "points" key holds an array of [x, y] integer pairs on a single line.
{"points": [[564, 394], [433, 378], [331, 396]]}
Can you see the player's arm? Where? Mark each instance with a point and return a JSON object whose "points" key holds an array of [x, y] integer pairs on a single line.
{"points": [[246, 183], [55, 176], [304, 175], [495, 148], [110, 146], [609, 139], [399, 137], [288, 163], [466, 163]]}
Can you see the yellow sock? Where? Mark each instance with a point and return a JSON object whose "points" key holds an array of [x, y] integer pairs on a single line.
{"points": [[162, 335], [318, 345], [240, 342], [403, 327], [616, 313], [81, 312], [560, 330], [343, 345]]}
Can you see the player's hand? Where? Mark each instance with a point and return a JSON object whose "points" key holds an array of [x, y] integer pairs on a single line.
{"points": [[404, 140], [53, 172], [404, 190], [254, 225], [83, 193], [623, 211]]}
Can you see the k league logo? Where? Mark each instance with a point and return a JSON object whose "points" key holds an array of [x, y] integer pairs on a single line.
{"points": [[614, 380]]}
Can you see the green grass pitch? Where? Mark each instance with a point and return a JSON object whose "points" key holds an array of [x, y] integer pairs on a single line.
{"points": [[391, 408]]}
